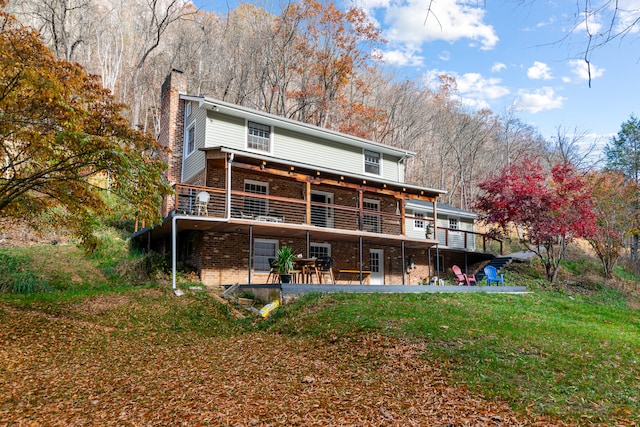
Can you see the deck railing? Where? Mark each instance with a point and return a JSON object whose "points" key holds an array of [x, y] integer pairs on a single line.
{"points": [[274, 209]]}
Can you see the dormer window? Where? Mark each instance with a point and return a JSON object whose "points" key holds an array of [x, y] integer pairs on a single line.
{"points": [[372, 162], [258, 137], [187, 110]]}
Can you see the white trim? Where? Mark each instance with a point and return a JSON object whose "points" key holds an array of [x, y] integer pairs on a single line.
{"points": [[257, 183], [378, 217], [186, 140], [256, 240], [329, 213], [290, 124], [364, 162], [321, 245], [456, 230], [246, 137], [377, 277], [422, 219], [296, 164]]}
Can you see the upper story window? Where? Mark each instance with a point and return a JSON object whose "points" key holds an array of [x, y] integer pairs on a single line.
{"points": [[258, 136], [454, 225], [187, 110], [190, 140], [419, 222], [372, 162]]}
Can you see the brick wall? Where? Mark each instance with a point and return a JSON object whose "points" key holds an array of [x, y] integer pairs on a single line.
{"points": [[223, 258], [172, 129]]}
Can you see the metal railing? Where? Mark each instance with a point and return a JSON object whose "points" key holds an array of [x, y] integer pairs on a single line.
{"points": [[274, 209]]}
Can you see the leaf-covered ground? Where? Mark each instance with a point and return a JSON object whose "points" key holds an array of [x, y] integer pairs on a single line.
{"points": [[123, 361]]}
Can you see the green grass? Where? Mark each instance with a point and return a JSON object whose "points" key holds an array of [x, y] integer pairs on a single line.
{"points": [[544, 353], [571, 353]]}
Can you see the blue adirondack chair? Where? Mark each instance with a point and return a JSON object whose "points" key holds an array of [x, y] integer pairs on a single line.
{"points": [[492, 275]]}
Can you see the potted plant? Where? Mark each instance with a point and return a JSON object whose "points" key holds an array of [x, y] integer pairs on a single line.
{"points": [[428, 230], [284, 262]]}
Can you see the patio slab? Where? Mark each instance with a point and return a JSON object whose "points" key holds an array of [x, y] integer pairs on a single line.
{"points": [[293, 289]]}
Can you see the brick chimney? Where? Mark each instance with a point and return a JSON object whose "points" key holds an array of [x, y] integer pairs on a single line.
{"points": [[172, 128]]}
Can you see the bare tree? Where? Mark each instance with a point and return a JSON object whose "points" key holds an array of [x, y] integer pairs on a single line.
{"points": [[570, 147]]}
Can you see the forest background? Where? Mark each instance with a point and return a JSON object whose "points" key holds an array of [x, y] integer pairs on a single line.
{"points": [[311, 61]]}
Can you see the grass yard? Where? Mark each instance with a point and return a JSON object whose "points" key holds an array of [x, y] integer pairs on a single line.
{"points": [[94, 351]]}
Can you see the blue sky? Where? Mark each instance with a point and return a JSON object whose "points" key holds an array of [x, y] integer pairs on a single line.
{"points": [[519, 54]]}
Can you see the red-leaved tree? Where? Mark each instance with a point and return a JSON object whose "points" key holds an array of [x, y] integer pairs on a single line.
{"points": [[546, 210]]}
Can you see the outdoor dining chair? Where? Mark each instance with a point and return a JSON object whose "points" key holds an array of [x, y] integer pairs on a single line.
{"points": [[202, 203], [324, 265]]}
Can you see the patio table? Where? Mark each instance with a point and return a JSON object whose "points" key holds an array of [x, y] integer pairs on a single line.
{"points": [[307, 268]]}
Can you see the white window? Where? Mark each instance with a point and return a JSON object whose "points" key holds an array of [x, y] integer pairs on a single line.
{"points": [[187, 110], [418, 222], [372, 162], [190, 140], [254, 205], [264, 250], [370, 221], [258, 137], [454, 225], [317, 250]]}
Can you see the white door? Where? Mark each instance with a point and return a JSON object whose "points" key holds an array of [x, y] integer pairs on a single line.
{"points": [[376, 261], [321, 214]]}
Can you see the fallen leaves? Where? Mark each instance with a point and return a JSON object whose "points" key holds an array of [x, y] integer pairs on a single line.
{"points": [[58, 371]]}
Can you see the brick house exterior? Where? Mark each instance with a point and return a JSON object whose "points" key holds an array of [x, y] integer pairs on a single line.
{"points": [[273, 182]]}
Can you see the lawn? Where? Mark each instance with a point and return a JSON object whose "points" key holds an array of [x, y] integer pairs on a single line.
{"points": [[111, 354]]}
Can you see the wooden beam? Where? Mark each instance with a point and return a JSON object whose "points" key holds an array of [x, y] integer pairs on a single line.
{"points": [[301, 177]]}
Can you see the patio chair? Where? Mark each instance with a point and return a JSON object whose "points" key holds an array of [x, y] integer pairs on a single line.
{"points": [[202, 203], [463, 279], [324, 266], [274, 274], [493, 276]]}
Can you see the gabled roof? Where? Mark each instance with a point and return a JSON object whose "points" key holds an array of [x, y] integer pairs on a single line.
{"points": [[296, 126]]}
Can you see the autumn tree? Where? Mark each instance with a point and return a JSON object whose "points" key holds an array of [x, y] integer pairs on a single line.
{"points": [[330, 43], [547, 210], [60, 133], [623, 155], [611, 193]]}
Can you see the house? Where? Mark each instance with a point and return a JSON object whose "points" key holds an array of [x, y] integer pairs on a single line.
{"points": [[247, 183]]}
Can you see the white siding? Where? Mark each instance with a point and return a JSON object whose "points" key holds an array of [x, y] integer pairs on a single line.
{"points": [[225, 131], [231, 132], [194, 163], [390, 169], [317, 152]]}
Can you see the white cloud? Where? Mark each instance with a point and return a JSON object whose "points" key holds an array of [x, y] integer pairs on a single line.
{"points": [[539, 71], [416, 21], [402, 58], [539, 100], [497, 67], [474, 90], [627, 15], [445, 56], [580, 71]]}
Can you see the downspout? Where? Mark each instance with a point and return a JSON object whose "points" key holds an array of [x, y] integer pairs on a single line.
{"points": [[174, 230]]}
